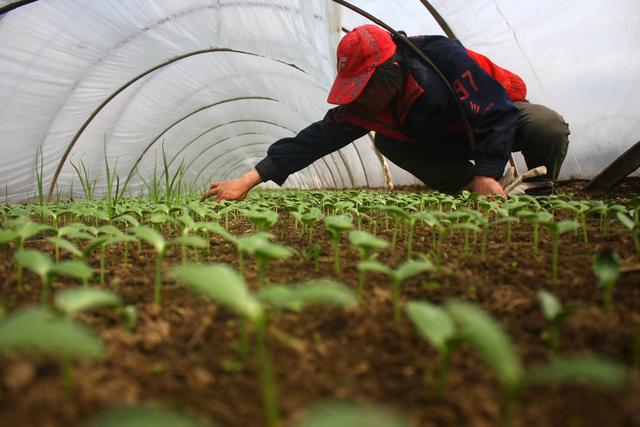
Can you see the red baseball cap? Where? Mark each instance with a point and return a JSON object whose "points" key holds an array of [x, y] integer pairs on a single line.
{"points": [[360, 52]]}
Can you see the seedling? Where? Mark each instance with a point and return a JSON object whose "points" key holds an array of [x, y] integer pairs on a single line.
{"points": [[555, 315], [77, 300], [492, 344], [22, 231], [426, 218], [336, 225], [160, 246], [403, 272], [264, 251], [633, 227], [399, 215], [224, 285], [557, 229], [37, 331], [606, 267], [367, 244], [41, 264], [437, 327], [261, 219]]}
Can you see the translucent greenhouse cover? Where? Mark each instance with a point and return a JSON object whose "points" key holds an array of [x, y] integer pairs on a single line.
{"points": [[208, 85]]}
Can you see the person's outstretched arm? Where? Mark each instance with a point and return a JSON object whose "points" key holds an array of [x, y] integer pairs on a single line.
{"points": [[289, 155]]}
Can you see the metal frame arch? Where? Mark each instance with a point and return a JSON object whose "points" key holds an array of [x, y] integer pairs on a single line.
{"points": [[168, 128], [125, 86], [126, 40], [237, 148], [15, 5], [255, 154], [185, 146], [341, 155], [323, 159], [339, 152], [312, 82], [222, 141]]}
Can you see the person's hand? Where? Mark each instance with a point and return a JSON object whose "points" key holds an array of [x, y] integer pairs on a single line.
{"points": [[233, 189], [488, 186]]}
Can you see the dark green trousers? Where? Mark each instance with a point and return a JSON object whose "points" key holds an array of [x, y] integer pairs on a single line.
{"points": [[542, 137]]}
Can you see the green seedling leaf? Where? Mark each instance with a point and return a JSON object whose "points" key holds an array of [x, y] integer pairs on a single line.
{"points": [[366, 240], [190, 241], [30, 229], [160, 218], [489, 339], [110, 230], [433, 323], [375, 266], [261, 218], [279, 296], [551, 307], [76, 269], [222, 284], [325, 292], [145, 417], [150, 236], [625, 220], [566, 225], [266, 249], [466, 226], [7, 236], [35, 261], [66, 246], [128, 219], [36, 330], [312, 216], [348, 415], [581, 370], [93, 244], [129, 316], [338, 223], [80, 235], [607, 268], [412, 268], [213, 227], [73, 301]]}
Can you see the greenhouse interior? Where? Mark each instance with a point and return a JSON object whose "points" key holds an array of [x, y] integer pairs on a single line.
{"points": [[198, 229]]}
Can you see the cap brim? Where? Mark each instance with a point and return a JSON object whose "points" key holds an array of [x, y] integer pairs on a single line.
{"points": [[347, 89]]}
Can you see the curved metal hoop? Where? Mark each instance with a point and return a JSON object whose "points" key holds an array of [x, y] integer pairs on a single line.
{"points": [[168, 128], [129, 83], [333, 178], [324, 160]]}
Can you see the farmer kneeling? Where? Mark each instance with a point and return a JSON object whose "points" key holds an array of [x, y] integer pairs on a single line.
{"points": [[386, 88]]}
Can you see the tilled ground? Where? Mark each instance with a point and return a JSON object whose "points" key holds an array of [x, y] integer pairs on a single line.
{"points": [[176, 356]]}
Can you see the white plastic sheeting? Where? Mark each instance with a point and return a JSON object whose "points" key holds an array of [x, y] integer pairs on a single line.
{"points": [[217, 111]]}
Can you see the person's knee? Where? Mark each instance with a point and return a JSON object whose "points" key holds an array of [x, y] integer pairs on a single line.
{"points": [[550, 128]]}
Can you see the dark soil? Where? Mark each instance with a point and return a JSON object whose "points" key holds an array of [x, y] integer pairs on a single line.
{"points": [[176, 354]]}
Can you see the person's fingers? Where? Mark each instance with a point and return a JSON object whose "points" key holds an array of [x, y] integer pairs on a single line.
{"points": [[208, 194]]}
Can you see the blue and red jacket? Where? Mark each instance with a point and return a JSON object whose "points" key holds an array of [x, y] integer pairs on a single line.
{"points": [[424, 112]]}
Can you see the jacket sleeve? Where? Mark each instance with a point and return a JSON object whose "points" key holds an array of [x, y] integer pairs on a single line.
{"points": [[289, 155], [488, 108]]}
